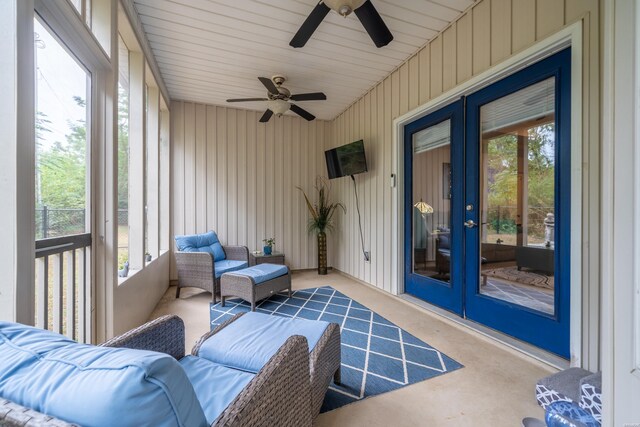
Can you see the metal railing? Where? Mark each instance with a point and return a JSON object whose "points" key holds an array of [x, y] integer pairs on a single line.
{"points": [[63, 286]]}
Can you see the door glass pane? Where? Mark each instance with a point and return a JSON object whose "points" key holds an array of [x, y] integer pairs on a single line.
{"points": [[517, 190], [61, 145], [431, 204]]}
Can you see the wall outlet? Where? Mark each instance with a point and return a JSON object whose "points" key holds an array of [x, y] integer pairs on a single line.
{"points": [[367, 256]]}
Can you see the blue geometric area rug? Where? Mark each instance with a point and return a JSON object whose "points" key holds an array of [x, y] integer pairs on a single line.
{"points": [[377, 356]]}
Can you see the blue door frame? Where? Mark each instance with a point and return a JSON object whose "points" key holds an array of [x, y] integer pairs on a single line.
{"points": [[462, 295], [446, 295]]}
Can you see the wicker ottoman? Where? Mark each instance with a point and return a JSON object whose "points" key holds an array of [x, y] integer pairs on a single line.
{"points": [[255, 283]]}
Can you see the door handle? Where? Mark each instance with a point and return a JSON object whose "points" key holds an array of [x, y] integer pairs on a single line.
{"points": [[470, 224]]}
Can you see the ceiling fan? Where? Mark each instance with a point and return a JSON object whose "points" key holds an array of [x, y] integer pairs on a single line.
{"points": [[364, 10], [278, 98]]}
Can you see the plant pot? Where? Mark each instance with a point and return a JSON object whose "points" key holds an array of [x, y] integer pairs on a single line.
{"points": [[322, 253], [147, 258], [267, 250]]}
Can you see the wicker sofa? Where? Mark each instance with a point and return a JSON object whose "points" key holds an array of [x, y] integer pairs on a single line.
{"points": [[201, 260], [247, 340], [279, 394]]}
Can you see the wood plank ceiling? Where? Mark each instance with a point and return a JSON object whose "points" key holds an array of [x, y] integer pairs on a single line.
{"points": [[212, 50]]}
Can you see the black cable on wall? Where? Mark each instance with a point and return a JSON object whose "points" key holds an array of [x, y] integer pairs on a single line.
{"points": [[355, 189]]}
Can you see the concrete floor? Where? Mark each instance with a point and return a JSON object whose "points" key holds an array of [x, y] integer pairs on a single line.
{"points": [[494, 389]]}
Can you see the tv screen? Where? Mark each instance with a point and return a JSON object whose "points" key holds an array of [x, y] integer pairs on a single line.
{"points": [[346, 160]]}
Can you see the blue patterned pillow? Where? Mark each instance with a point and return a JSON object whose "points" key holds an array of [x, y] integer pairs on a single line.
{"points": [[207, 242], [569, 414]]}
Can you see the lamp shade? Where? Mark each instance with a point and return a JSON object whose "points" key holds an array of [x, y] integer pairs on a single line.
{"points": [[278, 106], [423, 207]]}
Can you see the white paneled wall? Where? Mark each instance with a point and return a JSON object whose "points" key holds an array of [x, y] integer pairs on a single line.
{"points": [[484, 36], [238, 177]]}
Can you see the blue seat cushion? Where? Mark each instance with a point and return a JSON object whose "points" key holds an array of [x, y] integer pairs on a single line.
{"points": [[207, 242], [250, 341], [228, 265], [216, 386], [94, 386], [263, 272]]}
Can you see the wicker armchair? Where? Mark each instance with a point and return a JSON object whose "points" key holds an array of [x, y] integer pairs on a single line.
{"points": [[278, 395], [197, 269]]}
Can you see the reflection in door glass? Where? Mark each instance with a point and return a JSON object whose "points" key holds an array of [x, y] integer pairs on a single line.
{"points": [[517, 190], [432, 201]]}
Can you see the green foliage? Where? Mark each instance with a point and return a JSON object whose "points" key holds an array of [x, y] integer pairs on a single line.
{"points": [[61, 168], [123, 148], [323, 211], [269, 242], [502, 174]]}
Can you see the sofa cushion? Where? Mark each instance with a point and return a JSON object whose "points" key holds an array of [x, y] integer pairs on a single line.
{"points": [[94, 386], [228, 265], [207, 242], [250, 341], [216, 386], [263, 272]]}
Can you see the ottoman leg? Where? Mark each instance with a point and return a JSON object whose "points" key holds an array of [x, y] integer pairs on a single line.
{"points": [[222, 301], [337, 377], [253, 306], [177, 291]]}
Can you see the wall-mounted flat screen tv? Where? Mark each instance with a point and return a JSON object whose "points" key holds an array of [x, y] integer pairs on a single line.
{"points": [[346, 160]]}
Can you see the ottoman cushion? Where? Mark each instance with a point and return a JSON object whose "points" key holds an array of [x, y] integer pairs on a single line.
{"points": [[216, 386], [250, 341], [263, 272]]}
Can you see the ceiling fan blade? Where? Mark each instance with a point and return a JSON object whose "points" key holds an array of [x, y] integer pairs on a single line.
{"points": [[373, 23], [266, 116], [302, 113], [246, 99], [314, 96], [310, 25], [271, 87]]}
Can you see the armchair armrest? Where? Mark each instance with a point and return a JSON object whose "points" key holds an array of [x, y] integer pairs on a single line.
{"points": [[237, 253], [195, 267], [164, 334], [280, 394]]}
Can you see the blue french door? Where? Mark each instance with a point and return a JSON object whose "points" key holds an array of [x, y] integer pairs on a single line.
{"points": [[433, 207], [487, 205], [517, 246]]}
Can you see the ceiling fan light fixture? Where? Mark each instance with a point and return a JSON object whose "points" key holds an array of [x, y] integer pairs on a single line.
{"points": [[344, 7], [278, 106]]}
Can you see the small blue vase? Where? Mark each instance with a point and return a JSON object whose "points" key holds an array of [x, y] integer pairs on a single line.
{"points": [[267, 250]]}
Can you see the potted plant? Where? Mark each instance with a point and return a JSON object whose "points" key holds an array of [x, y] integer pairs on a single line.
{"points": [[322, 218], [268, 245]]}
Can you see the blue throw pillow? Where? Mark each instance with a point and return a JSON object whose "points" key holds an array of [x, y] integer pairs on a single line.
{"points": [[569, 414], [207, 242], [94, 386]]}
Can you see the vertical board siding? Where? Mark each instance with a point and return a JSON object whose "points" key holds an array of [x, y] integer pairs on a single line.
{"points": [[523, 26], [238, 177], [490, 32]]}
